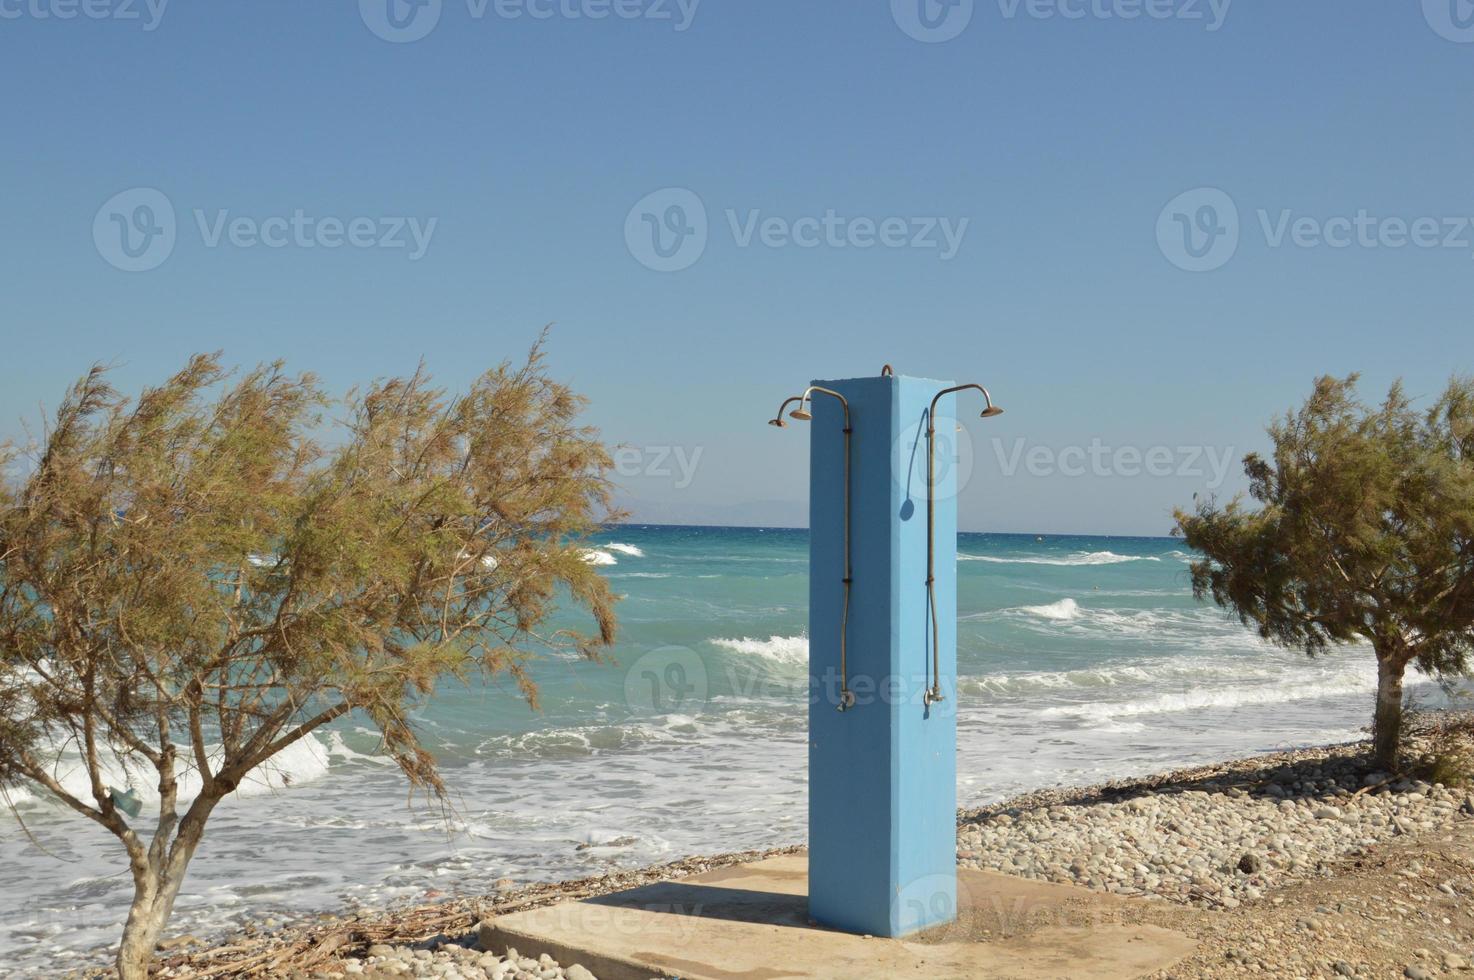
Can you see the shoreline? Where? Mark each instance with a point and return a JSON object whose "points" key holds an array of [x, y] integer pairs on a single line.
{"points": [[1324, 820]]}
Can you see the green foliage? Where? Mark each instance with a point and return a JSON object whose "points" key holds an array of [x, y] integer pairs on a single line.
{"points": [[1362, 530], [198, 579]]}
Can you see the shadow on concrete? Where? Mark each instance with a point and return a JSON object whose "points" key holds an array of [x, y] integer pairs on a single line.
{"points": [[713, 901]]}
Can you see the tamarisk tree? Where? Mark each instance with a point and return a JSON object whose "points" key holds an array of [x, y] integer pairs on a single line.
{"points": [[194, 581], [1363, 533]]}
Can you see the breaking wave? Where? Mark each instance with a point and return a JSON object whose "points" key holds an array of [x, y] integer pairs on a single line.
{"points": [[1079, 558], [305, 761], [1061, 610], [1192, 697], [781, 649]]}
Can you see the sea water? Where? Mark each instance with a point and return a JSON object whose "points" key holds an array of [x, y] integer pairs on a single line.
{"points": [[1080, 659]]}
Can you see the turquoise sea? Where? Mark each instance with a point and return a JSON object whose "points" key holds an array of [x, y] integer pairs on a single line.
{"points": [[1080, 659]]}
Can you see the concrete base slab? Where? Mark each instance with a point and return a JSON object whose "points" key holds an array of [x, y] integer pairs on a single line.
{"points": [[751, 922]]}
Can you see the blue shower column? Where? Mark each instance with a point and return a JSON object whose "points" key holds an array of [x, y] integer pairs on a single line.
{"points": [[883, 774]]}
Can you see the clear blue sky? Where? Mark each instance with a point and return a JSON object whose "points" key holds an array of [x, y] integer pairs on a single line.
{"points": [[529, 140]]}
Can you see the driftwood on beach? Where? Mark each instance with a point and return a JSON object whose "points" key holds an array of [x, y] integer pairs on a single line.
{"points": [[256, 953]]}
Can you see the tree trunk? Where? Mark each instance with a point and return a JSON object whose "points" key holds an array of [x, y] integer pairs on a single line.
{"points": [[1387, 721], [141, 933], [154, 892]]}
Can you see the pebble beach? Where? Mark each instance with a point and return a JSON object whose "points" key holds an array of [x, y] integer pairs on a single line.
{"points": [[1217, 836], [1306, 863]]}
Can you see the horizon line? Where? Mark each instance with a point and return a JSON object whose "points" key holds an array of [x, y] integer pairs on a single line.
{"points": [[790, 527]]}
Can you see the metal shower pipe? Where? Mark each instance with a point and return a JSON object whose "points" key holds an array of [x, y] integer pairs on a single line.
{"points": [[934, 691], [846, 696]]}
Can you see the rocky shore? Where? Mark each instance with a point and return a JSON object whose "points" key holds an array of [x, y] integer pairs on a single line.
{"points": [[1217, 836], [1296, 864]]}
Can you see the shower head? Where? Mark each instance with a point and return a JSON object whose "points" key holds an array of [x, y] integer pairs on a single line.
{"points": [[777, 420], [989, 409], [805, 403]]}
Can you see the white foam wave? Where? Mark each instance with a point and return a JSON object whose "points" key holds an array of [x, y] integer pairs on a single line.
{"points": [[1349, 680], [596, 557], [1154, 627], [1079, 558], [305, 761], [569, 743], [643, 575], [338, 749], [1269, 667], [1061, 610], [782, 649], [631, 740], [626, 549]]}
